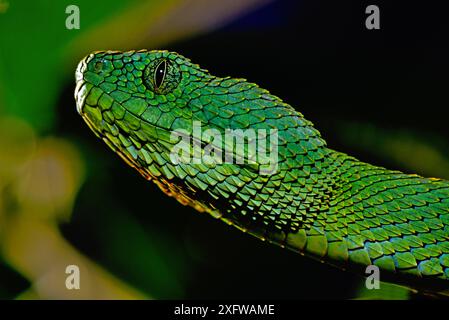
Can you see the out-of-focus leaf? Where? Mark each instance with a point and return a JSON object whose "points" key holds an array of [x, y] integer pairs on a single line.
{"points": [[37, 250], [32, 36], [387, 291], [50, 180], [405, 148]]}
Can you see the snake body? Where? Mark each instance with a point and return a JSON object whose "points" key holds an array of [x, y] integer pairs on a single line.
{"points": [[318, 202]]}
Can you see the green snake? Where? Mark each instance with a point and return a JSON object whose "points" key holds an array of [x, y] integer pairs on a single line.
{"points": [[317, 201]]}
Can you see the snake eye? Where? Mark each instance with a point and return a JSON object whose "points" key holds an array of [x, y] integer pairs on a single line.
{"points": [[162, 76], [159, 74]]}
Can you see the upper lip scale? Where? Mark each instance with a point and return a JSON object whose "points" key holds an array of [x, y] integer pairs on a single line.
{"points": [[79, 100], [80, 81]]}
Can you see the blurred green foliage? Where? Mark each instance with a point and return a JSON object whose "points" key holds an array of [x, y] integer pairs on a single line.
{"points": [[33, 45]]}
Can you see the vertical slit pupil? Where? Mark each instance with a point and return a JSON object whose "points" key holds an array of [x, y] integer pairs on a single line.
{"points": [[160, 74]]}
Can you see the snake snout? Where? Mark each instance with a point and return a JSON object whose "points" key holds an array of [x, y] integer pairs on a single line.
{"points": [[79, 77], [82, 66]]}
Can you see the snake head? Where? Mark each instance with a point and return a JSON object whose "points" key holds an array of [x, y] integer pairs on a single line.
{"points": [[149, 105], [134, 100], [121, 91]]}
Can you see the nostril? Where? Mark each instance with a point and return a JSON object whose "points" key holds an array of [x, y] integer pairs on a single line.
{"points": [[98, 66]]}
